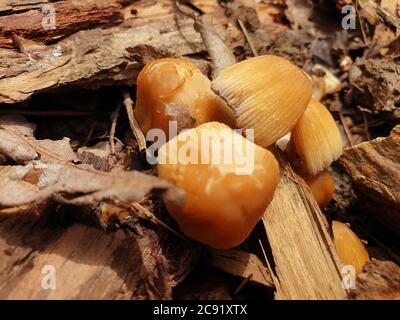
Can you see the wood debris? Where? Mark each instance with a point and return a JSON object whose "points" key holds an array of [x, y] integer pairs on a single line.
{"points": [[305, 260], [102, 266], [380, 280], [241, 264], [49, 172], [76, 191], [374, 167]]}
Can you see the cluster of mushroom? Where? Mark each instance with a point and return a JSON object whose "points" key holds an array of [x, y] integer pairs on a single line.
{"points": [[268, 94]]}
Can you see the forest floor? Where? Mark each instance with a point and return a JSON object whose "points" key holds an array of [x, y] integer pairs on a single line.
{"points": [[100, 221]]}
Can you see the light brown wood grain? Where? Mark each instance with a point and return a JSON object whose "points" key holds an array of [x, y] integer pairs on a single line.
{"points": [[306, 264], [88, 263]]}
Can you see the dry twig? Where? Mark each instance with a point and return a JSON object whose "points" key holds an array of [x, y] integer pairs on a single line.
{"points": [[220, 55], [137, 132], [247, 37], [114, 119], [153, 218], [346, 129]]}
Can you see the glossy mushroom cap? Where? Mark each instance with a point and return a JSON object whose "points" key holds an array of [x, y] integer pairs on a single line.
{"points": [[176, 90], [225, 198], [349, 247]]}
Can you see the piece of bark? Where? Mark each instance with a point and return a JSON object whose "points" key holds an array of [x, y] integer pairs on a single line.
{"points": [[14, 6], [218, 51], [69, 17], [27, 46], [101, 156], [107, 56], [87, 263], [305, 260], [374, 13], [182, 256], [380, 280], [76, 185], [241, 264], [376, 84], [374, 167], [104, 56]]}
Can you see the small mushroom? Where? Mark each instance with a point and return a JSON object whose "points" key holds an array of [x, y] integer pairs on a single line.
{"points": [[322, 187], [349, 247], [228, 180], [176, 90], [267, 94], [315, 141]]}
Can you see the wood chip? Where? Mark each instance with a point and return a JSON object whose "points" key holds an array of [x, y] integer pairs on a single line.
{"points": [[242, 264], [305, 259]]}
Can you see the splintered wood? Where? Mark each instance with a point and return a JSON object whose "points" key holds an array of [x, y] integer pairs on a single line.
{"points": [[241, 264], [89, 264], [305, 260]]}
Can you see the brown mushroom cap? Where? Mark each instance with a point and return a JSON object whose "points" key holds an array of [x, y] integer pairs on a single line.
{"points": [[267, 94], [175, 90], [221, 206], [316, 139]]}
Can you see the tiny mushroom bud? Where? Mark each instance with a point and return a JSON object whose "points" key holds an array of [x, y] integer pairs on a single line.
{"points": [[322, 188], [345, 63], [349, 247], [327, 81], [267, 94], [316, 141], [228, 181], [176, 90]]}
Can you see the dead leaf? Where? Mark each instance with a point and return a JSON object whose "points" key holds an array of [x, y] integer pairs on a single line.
{"points": [[52, 175], [76, 185], [18, 143]]}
